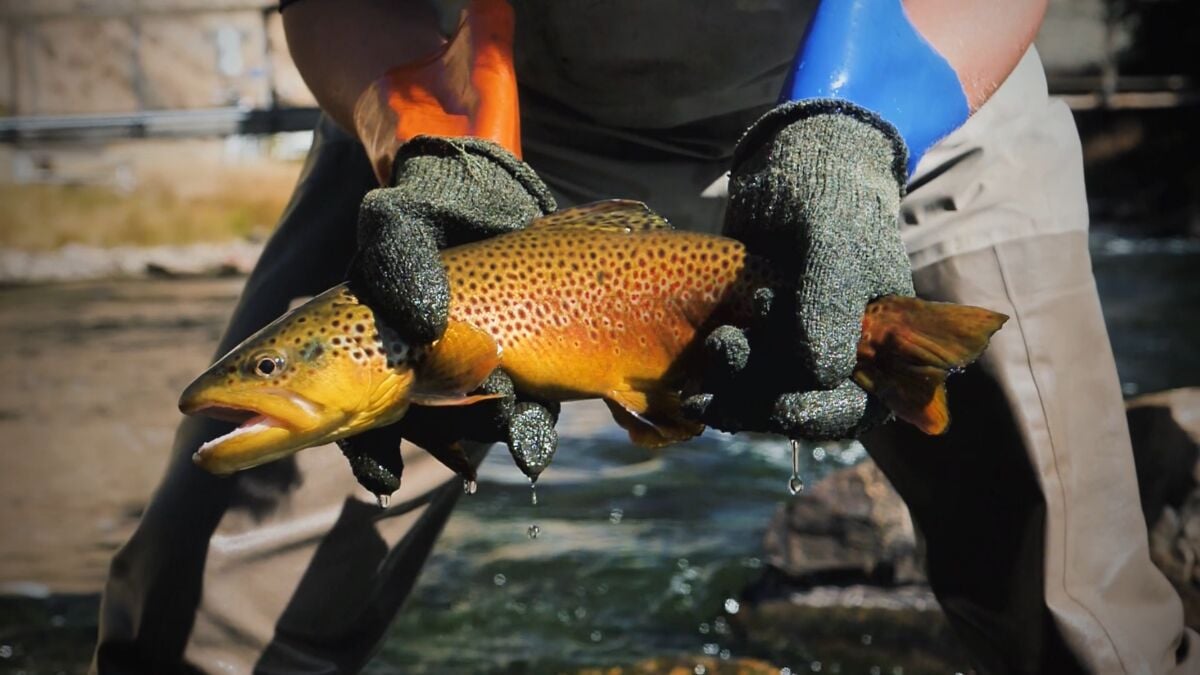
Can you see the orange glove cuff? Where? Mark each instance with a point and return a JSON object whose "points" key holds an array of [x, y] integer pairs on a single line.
{"points": [[468, 88]]}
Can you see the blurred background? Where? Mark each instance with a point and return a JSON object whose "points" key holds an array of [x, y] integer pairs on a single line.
{"points": [[146, 149]]}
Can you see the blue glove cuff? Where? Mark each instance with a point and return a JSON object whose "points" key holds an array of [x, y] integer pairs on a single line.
{"points": [[869, 53]]}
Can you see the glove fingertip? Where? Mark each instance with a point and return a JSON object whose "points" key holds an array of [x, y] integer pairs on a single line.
{"points": [[532, 439], [695, 407], [727, 349]]}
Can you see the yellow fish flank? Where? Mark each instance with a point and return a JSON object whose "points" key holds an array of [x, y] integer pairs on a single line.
{"points": [[599, 301]]}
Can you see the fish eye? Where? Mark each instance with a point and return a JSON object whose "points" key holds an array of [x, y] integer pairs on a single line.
{"points": [[267, 365]]}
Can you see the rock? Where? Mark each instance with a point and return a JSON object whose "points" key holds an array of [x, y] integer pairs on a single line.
{"points": [[851, 527], [1165, 429]]}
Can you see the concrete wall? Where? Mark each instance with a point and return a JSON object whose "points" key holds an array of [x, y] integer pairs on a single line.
{"points": [[75, 56]]}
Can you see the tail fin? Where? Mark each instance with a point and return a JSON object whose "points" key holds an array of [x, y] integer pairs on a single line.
{"points": [[909, 346]]}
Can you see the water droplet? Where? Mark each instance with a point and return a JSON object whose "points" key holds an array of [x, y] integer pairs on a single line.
{"points": [[815, 666], [795, 485], [533, 491], [639, 490], [705, 629], [615, 516], [711, 648], [897, 670], [500, 580], [6, 651], [580, 612], [721, 626], [785, 671], [818, 454], [725, 654], [699, 669], [533, 531], [876, 670], [470, 487], [732, 606], [383, 500], [597, 636], [866, 638]]}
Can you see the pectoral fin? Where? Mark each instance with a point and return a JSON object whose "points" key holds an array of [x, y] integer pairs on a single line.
{"points": [[653, 419], [456, 364]]}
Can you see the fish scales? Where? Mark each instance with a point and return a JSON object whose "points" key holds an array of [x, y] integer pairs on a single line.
{"points": [[579, 312]]}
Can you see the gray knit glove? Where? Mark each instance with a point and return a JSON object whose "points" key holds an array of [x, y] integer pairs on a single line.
{"points": [[445, 192], [816, 188]]}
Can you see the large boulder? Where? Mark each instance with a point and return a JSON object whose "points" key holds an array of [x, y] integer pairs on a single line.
{"points": [[850, 528]]}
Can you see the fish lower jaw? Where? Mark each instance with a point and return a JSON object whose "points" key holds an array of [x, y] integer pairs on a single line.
{"points": [[236, 450], [252, 425]]}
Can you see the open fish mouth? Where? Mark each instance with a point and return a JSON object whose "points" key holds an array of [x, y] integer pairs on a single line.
{"points": [[262, 433], [248, 421]]}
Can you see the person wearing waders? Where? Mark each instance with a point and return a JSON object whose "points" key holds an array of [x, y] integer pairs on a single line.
{"points": [[913, 150]]}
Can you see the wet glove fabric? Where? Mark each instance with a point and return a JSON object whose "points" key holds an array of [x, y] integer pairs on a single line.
{"points": [[446, 192], [526, 426], [816, 188]]}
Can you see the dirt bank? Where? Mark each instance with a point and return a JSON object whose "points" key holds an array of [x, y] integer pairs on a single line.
{"points": [[87, 411]]}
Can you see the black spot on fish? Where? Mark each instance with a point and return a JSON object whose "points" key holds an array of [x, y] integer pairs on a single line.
{"points": [[312, 351]]}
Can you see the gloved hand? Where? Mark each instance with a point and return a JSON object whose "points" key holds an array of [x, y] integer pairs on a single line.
{"points": [[444, 134], [527, 427], [816, 188], [446, 192]]}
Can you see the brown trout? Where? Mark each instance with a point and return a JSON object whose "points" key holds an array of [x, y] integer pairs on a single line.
{"points": [[599, 301]]}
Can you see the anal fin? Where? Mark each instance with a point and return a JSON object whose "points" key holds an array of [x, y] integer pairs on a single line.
{"points": [[652, 418]]}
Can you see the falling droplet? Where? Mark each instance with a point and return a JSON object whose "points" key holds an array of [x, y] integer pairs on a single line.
{"points": [[470, 486], [533, 531], [533, 491], [795, 484], [383, 500]]}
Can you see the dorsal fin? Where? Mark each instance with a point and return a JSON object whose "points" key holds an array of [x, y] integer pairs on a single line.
{"points": [[617, 215], [456, 364]]}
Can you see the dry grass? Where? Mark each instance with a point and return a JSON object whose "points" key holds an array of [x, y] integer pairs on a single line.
{"points": [[242, 203]]}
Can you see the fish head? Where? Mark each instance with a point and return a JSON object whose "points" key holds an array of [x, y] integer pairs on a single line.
{"points": [[328, 369], [325, 370]]}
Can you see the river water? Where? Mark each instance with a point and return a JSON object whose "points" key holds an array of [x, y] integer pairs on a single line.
{"points": [[637, 555]]}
